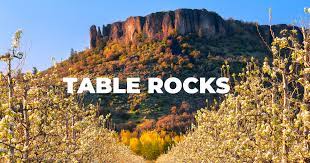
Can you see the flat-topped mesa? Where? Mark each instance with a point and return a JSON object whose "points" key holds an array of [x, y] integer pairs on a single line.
{"points": [[182, 21], [161, 24]]}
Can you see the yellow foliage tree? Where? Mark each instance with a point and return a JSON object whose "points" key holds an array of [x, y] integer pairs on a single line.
{"points": [[135, 145], [150, 144]]}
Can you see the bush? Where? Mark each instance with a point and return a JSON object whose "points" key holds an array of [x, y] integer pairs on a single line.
{"points": [[150, 144]]}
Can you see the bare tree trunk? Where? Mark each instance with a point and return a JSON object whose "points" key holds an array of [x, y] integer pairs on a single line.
{"points": [[273, 101], [67, 136], [306, 78], [73, 131], [285, 119], [10, 85], [27, 126]]}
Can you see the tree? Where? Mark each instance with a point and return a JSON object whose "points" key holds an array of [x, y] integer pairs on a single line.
{"points": [[40, 122], [8, 59], [34, 70], [266, 118]]}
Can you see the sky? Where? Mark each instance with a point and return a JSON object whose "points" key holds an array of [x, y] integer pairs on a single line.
{"points": [[52, 27]]}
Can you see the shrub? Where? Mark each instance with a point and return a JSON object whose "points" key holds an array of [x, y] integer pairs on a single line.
{"points": [[150, 144]]}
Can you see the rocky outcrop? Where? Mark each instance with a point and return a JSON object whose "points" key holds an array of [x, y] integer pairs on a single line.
{"points": [[132, 26], [93, 36], [162, 24]]}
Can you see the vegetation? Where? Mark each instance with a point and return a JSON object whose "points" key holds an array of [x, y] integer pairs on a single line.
{"points": [[41, 123], [177, 56], [149, 144], [151, 139], [266, 118]]}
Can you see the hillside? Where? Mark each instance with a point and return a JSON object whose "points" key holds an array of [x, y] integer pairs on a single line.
{"points": [[181, 43]]}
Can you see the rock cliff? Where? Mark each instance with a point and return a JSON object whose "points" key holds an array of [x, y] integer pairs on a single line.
{"points": [[158, 25]]}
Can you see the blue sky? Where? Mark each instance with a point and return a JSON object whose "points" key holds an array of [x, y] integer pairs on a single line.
{"points": [[52, 27]]}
